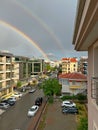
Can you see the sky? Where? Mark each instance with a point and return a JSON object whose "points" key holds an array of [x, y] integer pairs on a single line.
{"points": [[38, 28]]}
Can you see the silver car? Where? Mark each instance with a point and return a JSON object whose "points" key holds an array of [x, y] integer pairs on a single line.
{"points": [[4, 105], [32, 111]]}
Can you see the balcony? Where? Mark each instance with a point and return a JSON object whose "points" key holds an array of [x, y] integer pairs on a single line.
{"points": [[94, 89], [74, 87], [4, 88], [8, 60]]}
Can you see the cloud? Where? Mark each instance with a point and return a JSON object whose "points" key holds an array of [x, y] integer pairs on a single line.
{"points": [[51, 28]]}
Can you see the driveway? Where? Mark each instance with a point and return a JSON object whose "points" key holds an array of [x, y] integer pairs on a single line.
{"points": [[55, 120]]}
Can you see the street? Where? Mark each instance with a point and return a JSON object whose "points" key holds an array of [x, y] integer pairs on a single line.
{"points": [[16, 116]]}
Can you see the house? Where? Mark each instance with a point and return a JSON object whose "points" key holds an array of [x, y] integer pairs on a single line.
{"points": [[86, 39], [73, 83]]}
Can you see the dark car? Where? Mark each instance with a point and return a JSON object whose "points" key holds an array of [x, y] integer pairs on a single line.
{"points": [[38, 101], [70, 110], [8, 101]]}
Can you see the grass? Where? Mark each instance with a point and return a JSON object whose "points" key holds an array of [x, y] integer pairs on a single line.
{"points": [[82, 117]]}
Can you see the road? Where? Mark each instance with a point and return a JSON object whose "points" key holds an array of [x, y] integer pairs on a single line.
{"points": [[16, 116]]}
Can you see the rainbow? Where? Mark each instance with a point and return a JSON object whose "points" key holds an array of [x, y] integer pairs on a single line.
{"points": [[43, 24], [23, 35]]}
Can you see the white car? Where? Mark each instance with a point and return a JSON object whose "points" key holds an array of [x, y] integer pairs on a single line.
{"points": [[32, 90], [4, 105], [68, 104], [17, 95], [32, 111]]}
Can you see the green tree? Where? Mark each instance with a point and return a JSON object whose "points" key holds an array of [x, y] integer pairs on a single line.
{"points": [[19, 83], [51, 87]]}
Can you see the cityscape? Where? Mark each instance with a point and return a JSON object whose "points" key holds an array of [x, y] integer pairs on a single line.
{"points": [[48, 66]]}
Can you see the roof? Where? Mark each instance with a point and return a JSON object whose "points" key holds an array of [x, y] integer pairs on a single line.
{"points": [[70, 59], [73, 76]]}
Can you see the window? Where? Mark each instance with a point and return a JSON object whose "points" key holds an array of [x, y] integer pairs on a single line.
{"points": [[73, 82]]}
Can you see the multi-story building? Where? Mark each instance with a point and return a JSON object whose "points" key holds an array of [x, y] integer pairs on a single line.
{"points": [[6, 82], [37, 66], [86, 39], [69, 65], [83, 65], [22, 68]]}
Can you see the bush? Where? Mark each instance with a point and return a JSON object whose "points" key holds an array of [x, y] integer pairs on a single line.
{"points": [[81, 97], [50, 100], [83, 124], [19, 83]]}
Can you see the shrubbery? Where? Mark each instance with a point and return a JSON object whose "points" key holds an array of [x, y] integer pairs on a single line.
{"points": [[79, 97], [83, 125]]}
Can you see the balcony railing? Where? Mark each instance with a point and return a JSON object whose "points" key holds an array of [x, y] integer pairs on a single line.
{"points": [[94, 88]]}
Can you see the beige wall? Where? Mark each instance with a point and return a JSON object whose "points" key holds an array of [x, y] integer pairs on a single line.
{"points": [[92, 71]]}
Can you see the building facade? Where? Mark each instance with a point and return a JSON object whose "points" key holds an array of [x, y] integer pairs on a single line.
{"points": [[73, 83], [86, 39], [69, 65], [22, 68], [83, 65], [6, 76], [37, 67]]}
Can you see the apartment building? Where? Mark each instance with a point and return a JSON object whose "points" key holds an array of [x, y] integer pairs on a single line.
{"points": [[69, 65], [22, 68], [6, 82], [37, 66], [83, 65], [86, 39]]}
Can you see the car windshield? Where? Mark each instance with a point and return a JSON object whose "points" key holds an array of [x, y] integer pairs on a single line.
{"points": [[33, 109]]}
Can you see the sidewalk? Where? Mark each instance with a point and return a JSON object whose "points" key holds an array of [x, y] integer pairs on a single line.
{"points": [[1, 111]]}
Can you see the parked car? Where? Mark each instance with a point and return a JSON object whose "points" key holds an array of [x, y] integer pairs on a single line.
{"points": [[17, 95], [71, 110], [12, 98], [38, 101], [68, 104], [32, 90], [32, 111], [9, 101], [4, 105]]}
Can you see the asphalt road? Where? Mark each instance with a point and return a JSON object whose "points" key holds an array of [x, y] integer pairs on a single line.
{"points": [[16, 116]]}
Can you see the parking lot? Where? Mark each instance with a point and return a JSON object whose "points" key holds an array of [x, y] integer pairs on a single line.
{"points": [[55, 120]]}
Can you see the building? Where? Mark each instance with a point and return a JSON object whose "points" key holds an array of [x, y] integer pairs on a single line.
{"points": [[86, 39], [73, 83], [37, 67], [69, 65], [83, 65], [22, 69], [6, 70]]}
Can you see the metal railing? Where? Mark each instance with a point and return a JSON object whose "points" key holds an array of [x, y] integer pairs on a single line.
{"points": [[94, 88]]}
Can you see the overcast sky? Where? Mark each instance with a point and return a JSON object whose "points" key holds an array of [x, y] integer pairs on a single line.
{"points": [[38, 28]]}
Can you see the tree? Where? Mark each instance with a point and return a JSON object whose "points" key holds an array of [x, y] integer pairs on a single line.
{"points": [[19, 83], [51, 87]]}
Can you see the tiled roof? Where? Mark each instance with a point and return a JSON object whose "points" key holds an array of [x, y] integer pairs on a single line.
{"points": [[69, 59], [74, 75]]}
